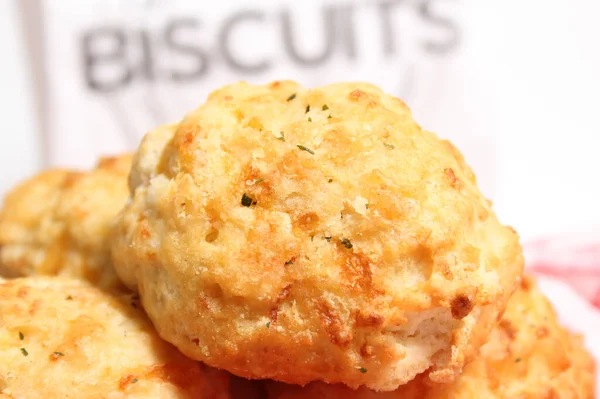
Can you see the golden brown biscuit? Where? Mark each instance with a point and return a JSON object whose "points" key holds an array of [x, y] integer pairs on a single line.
{"points": [[529, 355], [300, 235], [64, 338], [57, 223]]}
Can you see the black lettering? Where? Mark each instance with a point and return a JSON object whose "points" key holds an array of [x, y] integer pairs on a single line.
{"points": [[452, 40], [290, 47], [346, 30], [387, 27], [94, 59], [225, 43], [147, 61], [171, 32]]}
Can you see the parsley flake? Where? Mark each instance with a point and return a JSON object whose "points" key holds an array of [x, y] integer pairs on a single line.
{"points": [[329, 181], [246, 201], [329, 117], [290, 262], [290, 98], [59, 353], [268, 324], [307, 109], [367, 205], [362, 370], [325, 107], [134, 380], [282, 137], [517, 360], [24, 352], [312, 238], [328, 239], [259, 181], [303, 148], [309, 119], [390, 146], [346, 242], [21, 336], [69, 298]]}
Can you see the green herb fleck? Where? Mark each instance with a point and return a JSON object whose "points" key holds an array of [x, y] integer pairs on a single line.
{"points": [[307, 109], [362, 370], [259, 181], [268, 324], [329, 181], [325, 107], [388, 145], [303, 148], [59, 353], [134, 380], [290, 98], [328, 239], [346, 242], [329, 117], [312, 238], [309, 119], [367, 205], [289, 262], [69, 298], [246, 201], [517, 360], [24, 352], [282, 137], [21, 336]]}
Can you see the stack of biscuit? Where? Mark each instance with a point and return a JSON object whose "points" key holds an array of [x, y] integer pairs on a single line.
{"points": [[278, 242]]}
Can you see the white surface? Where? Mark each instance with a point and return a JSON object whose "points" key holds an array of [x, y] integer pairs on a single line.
{"points": [[543, 81], [18, 146]]}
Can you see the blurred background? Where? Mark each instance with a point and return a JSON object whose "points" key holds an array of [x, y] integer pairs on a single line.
{"points": [[514, 84]]}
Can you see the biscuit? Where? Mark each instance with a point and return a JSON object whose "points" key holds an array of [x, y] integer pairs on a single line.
{"points": [[57, 223], [307, 234]]}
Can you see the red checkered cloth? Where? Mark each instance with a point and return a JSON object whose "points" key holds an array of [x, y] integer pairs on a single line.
{"points": [[573, 259]]}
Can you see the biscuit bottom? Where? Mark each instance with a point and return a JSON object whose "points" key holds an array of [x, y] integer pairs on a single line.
{"points": [[529, 355]]}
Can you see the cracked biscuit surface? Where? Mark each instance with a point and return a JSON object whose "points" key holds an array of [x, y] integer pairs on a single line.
{"points": [[62, 338], [57, 222], [528, 355], [306, 234]]}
